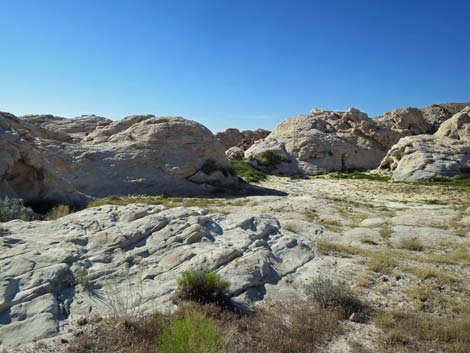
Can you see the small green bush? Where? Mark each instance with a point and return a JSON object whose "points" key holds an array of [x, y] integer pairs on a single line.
{"points": [[270, 159], [330, 293], [11, 208], [203, 287], [247, 172], [193, 334]]}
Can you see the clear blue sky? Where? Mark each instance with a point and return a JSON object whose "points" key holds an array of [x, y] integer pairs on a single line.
{"points": [[240, 63]]}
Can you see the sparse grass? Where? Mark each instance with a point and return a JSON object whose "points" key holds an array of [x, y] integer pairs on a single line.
{"points": [[57, 212], [382, 262], [386, 233], [369, 241], [411, 244], [418, 332], [288, 327], [454, 182], [360, 175], [291, 226], [427, 273], [204, 288], [333, 293], [330, 224], [210, 204], [247, 172]]}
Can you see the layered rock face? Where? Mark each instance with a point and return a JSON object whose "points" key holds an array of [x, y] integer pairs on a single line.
{"points": [[56, 159], [446, 153], [56, 272]]}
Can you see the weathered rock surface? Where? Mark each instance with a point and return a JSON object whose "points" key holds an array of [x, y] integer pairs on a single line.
{"points": [[25, 172], [56, 272], [243, 139], [445, 154], [326, 140], [235, 153], [332, 141], [56, 159]]}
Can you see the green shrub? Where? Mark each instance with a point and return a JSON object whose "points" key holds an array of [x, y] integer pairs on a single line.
{"points": [[329, 293], [193, 334], [247, 172], [11, 208], [203, 287], [270, 159], [210, 166]]}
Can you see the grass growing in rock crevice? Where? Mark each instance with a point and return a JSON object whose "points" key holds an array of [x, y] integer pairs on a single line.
{"points": [[359, 175], [247, 172]]}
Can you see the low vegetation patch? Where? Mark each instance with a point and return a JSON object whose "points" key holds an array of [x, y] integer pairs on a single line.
{"points": [[411, 331], [247, 172], [411, 244], [449, 182], [171, 202], [333, 293], [11, 209], [57, 212], [194, 333], [425, 273], [204, 288], [360, 175], [271, 159]]}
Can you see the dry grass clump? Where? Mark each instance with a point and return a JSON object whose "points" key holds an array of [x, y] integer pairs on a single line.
{"points": [[419, 332], [283, 328], [57, 212], [424, 273], [108, 336], [382, 262], [411, 244]]}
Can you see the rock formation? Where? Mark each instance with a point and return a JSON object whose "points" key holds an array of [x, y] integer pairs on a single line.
{"points": [[444, 154], [62, 160], [326, 141], [243, 139], [57, 272], [337, 141]]}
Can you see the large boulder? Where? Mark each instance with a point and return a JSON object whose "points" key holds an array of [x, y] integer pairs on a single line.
{"points": [[324, 141], [24, 171], [137, 155], [446, 154]]}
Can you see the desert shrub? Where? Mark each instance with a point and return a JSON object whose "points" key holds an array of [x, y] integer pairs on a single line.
{"points": [[270, 159], [58, 211], [11, 208], [194, 333], [247, 172], [333, 293], [210, 166], [411, 244], [203, 287], [298, 327]]}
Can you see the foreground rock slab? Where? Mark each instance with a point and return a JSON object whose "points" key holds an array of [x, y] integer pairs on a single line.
{"points": [[116, 260]]}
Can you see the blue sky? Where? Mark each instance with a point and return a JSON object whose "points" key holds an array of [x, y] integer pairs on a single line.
{"points": [[245, 63]]}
